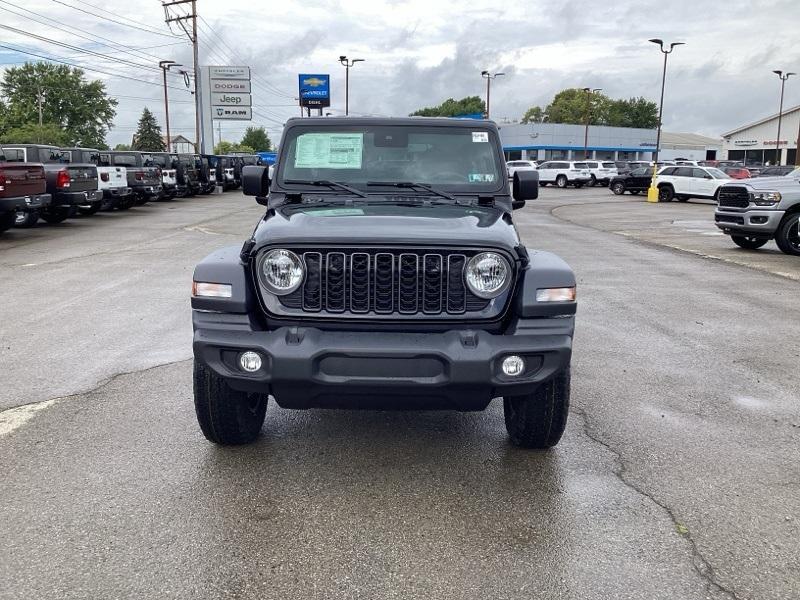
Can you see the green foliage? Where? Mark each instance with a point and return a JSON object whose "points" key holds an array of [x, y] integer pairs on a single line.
{"points": [[122, 147], [80, 108], [148, 134], [256, 138], [573, 105], [32, 133], [225, 147], [453, 108]]}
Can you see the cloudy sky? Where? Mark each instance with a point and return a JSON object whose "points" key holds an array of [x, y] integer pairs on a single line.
{"points": [[421, 52]]}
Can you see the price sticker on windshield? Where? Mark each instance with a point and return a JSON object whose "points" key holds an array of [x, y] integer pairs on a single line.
{"points": [[480, 136], [329, 151]]}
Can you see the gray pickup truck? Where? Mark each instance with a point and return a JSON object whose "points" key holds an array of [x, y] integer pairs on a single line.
{"points": [[754, 211]]}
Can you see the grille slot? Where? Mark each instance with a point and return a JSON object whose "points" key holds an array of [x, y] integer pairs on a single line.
{"points": [[734, 197], [384, 282]]}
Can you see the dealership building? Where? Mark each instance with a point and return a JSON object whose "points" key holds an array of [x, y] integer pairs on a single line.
{"points": [[549, 141], [758, 143]]}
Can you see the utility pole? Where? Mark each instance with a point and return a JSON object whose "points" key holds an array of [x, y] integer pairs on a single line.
{"points": [[783, 77], [165, 66], [192, 35], [589, 92], [39, 100], [219, 131], [489, 77]]}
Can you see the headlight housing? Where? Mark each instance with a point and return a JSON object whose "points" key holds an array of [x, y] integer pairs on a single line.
{"points": [[765, 198], [488, 275], [282, 271]]}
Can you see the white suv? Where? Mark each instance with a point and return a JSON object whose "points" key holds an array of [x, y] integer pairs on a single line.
{"points": [[520, 165], [601, 171], [682, 183], [563, 173]]}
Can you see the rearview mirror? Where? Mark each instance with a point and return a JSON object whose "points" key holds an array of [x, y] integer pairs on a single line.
{"points": [[255, 182], [525, 187]]}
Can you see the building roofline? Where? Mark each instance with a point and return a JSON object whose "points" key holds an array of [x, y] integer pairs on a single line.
{"points": [[761, 121]]}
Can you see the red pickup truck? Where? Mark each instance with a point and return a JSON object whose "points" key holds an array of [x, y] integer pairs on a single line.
{"points": [[22, 190]]}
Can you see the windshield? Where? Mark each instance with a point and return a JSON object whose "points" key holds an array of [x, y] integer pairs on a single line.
{"points": [[456, 158], [716, 173], [154, 160]]}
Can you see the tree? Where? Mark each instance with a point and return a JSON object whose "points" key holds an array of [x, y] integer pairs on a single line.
{"points": [[257, 138], [80, 108], [535, 114], [226, 147], [573, 104], [122, 147], [33, 133], [471, 105], [148, 134]]}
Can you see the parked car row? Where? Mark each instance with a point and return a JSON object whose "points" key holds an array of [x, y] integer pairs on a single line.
{"points": [[53, 184]]}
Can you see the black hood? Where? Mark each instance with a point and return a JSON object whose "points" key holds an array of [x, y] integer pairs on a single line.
{"points": [[387, 224]]}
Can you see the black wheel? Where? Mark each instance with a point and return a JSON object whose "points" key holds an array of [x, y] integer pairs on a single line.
{"points": [[538, 420], [226, 416], [618, 188], [561, 181], [593, 181], [26, 220], [91, 209], [748, 242], [7, 220], [788, 235], [666, 193], [57, 215]]}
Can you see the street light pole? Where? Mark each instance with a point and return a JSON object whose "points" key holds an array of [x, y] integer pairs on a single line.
{"points": [[489, 76], [347, 63], [589, 92], [783, 77], [652, 193]]}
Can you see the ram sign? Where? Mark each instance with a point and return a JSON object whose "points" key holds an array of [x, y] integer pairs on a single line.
{"points": [[315, 90], [240, 113]]}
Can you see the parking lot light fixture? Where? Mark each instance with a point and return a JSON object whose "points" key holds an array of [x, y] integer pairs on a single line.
{"points": [[783, 77], [347, 63], [652, 192], [166, 65], [489, 76]]}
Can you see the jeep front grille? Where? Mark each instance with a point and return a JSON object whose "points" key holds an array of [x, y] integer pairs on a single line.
{"points": [[734, 197], [385, 282]]}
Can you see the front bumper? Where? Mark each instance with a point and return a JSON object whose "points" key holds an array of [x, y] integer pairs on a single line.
{"points": [[756, 222], [77, 198], [25, 203], [306, 367]]}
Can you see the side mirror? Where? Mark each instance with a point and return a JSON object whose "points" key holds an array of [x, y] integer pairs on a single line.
{"points": [[255, 182], [525, 187]]}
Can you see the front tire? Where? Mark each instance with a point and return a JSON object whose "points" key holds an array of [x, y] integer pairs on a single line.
{"points": [[788, 235], [748, 242], [57, 215], [561, 181], [7, 220], [666, 193], [538, 420], [593, 181], [226, 416], [26, 220], [618, 188]]}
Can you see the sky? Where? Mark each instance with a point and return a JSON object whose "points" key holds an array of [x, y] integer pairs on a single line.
{"points": [[421, 52]]}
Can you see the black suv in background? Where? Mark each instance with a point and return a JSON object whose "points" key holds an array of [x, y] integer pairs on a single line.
{"points": [[386, 272], [635, 181], [144, 177]]}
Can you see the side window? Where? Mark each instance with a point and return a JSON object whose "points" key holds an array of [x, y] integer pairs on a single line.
{"points": [[683, 172], [700, 173], [104, 160], [15, 155], [545, 165], [668, 171]]}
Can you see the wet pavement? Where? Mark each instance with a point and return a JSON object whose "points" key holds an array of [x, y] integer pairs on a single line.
{"points": [[677, 477]]}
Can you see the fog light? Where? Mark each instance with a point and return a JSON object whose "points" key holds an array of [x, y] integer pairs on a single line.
{"points": [[250, 361], [513, 365]]}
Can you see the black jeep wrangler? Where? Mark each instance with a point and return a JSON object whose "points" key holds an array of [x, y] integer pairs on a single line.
{"points": [[385, 273]]}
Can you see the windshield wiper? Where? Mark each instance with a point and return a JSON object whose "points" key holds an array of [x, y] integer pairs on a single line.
{"points": [[327, 183], [412, 185]]}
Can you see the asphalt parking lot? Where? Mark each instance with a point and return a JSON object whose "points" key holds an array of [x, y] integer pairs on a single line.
{"points": [[678, 476]]}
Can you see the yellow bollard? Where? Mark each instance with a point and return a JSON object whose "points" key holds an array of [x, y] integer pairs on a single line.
{"points": [[652, 191]]}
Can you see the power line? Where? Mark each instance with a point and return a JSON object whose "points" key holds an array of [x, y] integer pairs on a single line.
{"points": [[130, 23]]}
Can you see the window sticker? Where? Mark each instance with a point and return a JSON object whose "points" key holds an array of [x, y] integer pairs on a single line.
{"points": [[481, 177], [329, 151], [480, 136]]}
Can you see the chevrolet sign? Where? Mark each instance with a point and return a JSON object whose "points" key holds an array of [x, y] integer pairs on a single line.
{"points": [[314, 90]]}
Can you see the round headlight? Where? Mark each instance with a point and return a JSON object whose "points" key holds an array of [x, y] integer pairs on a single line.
{"points": [[488, 275], [282, 271]]}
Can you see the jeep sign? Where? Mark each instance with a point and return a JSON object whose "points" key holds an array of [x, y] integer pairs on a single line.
{"points": [[225, 99]]}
